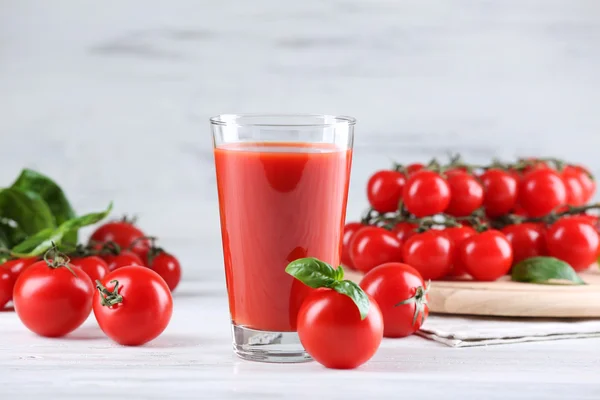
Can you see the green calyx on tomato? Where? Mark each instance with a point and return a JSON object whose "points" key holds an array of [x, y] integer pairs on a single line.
{"points": [[420, 302], [55, 259], [108, 298], [545, 270], [318, 274]]}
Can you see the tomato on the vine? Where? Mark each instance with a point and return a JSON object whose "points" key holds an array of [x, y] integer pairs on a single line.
{"points": [[95, 267], [124, 258], [542, 191], [52, 298], [457, 235], [392, 284], [500, 192], [414, 167], [372, 246], [573, 241], [575, 193], [426, 193], [123, 233], [349, 230], [486, 256], [167, 266], [18, 265], [430, 253], [466, 194], [527, 240], [7, 282], [133, 305], [384, 190], [588, 185], [404, 230], [332, 331]]}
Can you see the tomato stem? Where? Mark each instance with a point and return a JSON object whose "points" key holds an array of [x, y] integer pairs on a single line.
{"points": [[420, 301], [108, 298], [55, 259]]}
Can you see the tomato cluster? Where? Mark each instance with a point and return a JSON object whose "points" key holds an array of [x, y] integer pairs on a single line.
{"points": [[460, 220], [122, 275]]}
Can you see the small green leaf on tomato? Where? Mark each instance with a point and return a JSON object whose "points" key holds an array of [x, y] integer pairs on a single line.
{"points": [[545, 270], [312, 272], [358, 296], [339, 273]]}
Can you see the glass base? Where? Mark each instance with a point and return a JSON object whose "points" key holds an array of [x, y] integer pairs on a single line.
{"points": [[266, 346]]}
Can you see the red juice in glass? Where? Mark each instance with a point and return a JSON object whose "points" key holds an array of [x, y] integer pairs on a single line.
{"points": [[279, 201]]}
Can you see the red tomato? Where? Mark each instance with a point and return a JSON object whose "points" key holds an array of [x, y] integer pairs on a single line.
{"points": [[500, 190], [390, 284], [167, 266], [542, 191], [7, 282], [17, 266], [588, 185], [486, 256], [527, 240], [384, 190], [123, 259], [134, 307], [573, 241], [349, 230], [124, 234], [426, 193], [575, 192], [372, 246], [430, 253], [404, 230], [331, 331], [414, 167], [457, 235], [53, 301], [466, 194], [95, 267]]}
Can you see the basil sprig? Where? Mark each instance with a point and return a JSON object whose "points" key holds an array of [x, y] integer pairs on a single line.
{"points": [[545, 270]]}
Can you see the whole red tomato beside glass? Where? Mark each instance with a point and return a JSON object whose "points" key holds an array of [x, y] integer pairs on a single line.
{"points": [[349, 230], [384, 190]]}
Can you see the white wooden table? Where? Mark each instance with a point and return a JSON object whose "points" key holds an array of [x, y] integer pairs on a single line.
{"points": [[193, 360]]}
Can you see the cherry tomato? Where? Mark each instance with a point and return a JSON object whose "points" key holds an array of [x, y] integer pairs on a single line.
{"points": [[573, 241], [95, 267], [124, 234], [404, 230], [124, 259], [7, 282], [133, 305], [574, 188], [541, 191], [167, 266], [53, 300], [457, 235], [390, 284], [588, 185], [331, 331], [466, 194], [384, 190], [17, 265], [349, 230], [500, 188], [372, 246], [414, 167], [426, 193], [486, 256], [527, 240], [430, 253]]}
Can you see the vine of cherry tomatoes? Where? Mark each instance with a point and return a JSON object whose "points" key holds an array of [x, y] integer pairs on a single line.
{"points": [[459, 219]]}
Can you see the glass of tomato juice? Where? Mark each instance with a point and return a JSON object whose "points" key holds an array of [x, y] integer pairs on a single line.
{"points": [[283, 185]]}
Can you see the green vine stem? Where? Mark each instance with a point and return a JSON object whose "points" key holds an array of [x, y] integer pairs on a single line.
{"points": [[108, 298], [55, 259]]}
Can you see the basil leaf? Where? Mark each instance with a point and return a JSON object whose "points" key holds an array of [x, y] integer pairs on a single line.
{"points": [[11, 233], [28, 210], [339, 273], [545, 270], [42, 241], [312, 272], [33, 182], [358, 296]]}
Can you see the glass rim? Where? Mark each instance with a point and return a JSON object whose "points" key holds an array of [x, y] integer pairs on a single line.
{"points": [[234, 120]]}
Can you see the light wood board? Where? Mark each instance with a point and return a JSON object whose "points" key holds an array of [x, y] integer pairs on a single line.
{"points": [[514, 299]]}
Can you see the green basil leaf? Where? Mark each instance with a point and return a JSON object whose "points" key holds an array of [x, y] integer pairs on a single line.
{"points": [[11, 233], [339, 273], [358, 296], [312, 272], [33, 182], [28, 210], [39, 243], [545, 270]]}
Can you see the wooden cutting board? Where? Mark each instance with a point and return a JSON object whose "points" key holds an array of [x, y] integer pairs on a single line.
{"points": [[514, 299]]}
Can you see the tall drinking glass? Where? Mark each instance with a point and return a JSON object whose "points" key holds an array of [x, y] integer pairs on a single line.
{"points": [[283, 185]]}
